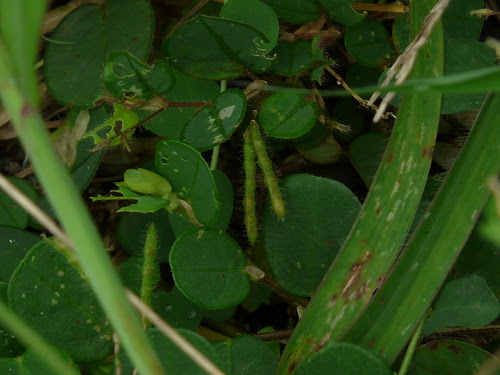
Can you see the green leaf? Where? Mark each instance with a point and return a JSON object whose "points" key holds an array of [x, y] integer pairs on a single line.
{"points": [[11, 213], [31, 364], [173, 359], [216, 48], [481, 257], [466, 302], [132, 228], [47, 291], [74, 71], [127, 76], [225, 189], [9, 346], [340, 11], [169, 123], [296, 11], [366, 152], [247, 355], [176, 309], [207, 266], [130, 271], [121, 120], [145, 204], [129, 26], [300, 248], [14, 244], [287, 114], [463, 55], [191, 178], [369, 43], [449, 357], [256, 14], [346, 359], [293, 57], [490, 225], [459, 22], [215, 123]]}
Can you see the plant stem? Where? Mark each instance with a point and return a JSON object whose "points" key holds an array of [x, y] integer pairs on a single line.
{"points": [[411, 349], [64, 197]]}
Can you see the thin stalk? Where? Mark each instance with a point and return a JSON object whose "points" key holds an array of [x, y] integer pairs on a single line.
{"points": [[381, 228], [386, 327], [411, 349], [64, 197], [30, 338]]}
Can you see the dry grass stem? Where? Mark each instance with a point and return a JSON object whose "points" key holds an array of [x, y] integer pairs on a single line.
{"points": [[403, 65], [33, 210], [172, 335]]}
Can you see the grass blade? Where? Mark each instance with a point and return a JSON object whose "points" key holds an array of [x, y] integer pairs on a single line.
{"points": [[385, 218], [386, 327]]}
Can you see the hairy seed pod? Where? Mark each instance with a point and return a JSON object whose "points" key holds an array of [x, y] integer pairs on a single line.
{"points": [[266, 166], [249, 194]]}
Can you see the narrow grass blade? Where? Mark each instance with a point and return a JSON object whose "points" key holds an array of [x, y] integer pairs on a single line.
{"points": [[378, 234], [391, 318], [64, 197]]}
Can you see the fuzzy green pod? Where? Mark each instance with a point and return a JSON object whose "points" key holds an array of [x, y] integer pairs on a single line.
{"points": [[147, 182], [249, 188], [266, 166]]}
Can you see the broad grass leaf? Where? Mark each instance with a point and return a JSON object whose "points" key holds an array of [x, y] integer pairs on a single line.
{"points": [[191, 178], [467, 302], [208, 268], [301, 247], [49, 293], [346, 359]]}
